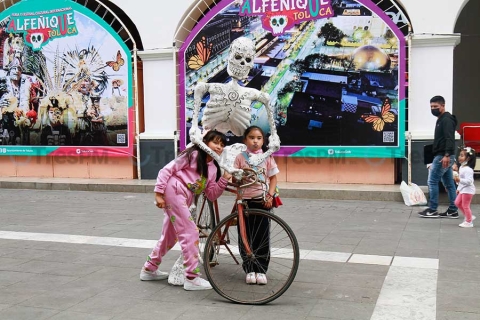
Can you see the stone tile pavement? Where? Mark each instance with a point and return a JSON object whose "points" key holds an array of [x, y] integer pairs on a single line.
{"points": [[288, 189], [362, 260]]}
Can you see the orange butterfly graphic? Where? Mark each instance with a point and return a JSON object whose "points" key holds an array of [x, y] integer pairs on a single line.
{"points": [[203, 54], [385, 117], [115, 65]]}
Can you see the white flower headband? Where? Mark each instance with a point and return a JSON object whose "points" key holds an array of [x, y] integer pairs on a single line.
{"points": [[470, 151]]}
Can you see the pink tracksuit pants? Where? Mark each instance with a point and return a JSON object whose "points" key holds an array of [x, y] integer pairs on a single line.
{"points": [[178, 225]]}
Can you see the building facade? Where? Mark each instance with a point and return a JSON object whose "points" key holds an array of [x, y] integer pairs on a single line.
{"points": [[438, 35]]}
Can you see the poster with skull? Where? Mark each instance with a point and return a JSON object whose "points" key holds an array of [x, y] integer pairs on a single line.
{"points": [[334, 71], [65, 82]]}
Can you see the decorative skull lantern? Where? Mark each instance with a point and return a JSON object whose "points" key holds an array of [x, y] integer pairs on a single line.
{"points": [[240, 59]]}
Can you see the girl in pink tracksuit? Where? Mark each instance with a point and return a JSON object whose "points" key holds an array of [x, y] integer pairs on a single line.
{"points": [[192, 173]]}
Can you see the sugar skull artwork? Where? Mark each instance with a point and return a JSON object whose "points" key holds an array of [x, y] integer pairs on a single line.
{"points": [[240, 59], [278, 22], [37, 37]]}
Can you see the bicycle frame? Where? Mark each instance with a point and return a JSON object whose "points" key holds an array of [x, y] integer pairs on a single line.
{"points": [[249, 240], [250, 177], [202, 212], [241, 221]]}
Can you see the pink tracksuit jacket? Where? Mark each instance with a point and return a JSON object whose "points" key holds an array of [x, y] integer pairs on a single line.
{"points": [[179, 182]]}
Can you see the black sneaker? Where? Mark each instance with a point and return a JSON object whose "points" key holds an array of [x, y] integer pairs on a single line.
{"points": [[450, 214], [429, 213]]}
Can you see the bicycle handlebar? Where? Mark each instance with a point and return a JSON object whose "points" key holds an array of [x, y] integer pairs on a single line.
{"points": [[248, 177]]}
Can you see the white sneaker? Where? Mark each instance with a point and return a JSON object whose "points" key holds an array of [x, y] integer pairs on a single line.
{"points": [[261, 278], [196, 284], [473, 217], [251, 278], [466, 224], [146, 275]]}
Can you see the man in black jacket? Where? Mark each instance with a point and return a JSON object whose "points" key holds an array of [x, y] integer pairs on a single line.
{"points": [[443, 159]]}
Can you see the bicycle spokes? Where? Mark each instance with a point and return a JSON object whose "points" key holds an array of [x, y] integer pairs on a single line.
{"points": [[205, 221], [274, 252]]}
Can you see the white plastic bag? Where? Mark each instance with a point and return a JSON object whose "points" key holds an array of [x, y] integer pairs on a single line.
{"points": [[177, 274], [412, 194]]}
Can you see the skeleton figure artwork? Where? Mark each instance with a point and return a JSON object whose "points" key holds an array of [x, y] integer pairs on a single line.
{"points": [[228, 108]]}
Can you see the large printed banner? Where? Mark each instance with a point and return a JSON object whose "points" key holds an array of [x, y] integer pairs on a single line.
{"points": [[65, 82], [334, 69]]}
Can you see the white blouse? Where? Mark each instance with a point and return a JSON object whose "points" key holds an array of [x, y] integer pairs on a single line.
{"points": [[466, 180]]}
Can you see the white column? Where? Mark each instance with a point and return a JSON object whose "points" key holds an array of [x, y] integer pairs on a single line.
{"points": [[160, 112], [430, 74]]}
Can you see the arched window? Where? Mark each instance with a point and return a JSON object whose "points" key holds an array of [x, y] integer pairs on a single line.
{"points": [[110, 13]]}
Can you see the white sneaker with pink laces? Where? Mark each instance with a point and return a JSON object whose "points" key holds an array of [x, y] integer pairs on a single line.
{"points": [[196, 284], [261, 278], [146, 275], [251, 278], [466, 224]]}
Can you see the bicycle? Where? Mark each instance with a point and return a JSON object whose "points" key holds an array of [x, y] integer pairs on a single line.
{"points": [[227, 249], [207, 218]]}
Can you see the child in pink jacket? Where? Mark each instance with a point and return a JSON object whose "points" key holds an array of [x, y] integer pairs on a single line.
{"points": [[192, 173]]}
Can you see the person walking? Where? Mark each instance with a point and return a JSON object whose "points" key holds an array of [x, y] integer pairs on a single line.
{"points": [[441, 169], [466, 188]]}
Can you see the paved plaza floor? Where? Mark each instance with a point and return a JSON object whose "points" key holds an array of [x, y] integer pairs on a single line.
{"points": [[78, 254]]}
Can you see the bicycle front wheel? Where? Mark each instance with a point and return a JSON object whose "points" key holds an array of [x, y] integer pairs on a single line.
{"points": [[275, 253]]}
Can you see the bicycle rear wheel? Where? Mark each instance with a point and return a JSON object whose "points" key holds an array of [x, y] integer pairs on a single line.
{"points": [[205, 222], [278, 258]]}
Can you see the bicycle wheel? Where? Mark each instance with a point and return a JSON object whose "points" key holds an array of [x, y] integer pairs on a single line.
{"points": [[275, 253], [205, 222]]}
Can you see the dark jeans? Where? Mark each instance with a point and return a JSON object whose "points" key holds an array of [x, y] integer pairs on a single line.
{"points": [[258, 234], [436, 174]]}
